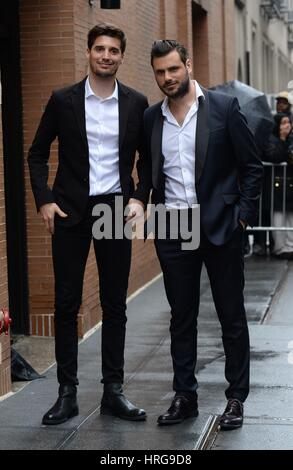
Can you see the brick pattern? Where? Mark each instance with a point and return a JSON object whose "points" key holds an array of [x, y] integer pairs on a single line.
{"points": [[47, 62], [53, 45], [5, 380]]}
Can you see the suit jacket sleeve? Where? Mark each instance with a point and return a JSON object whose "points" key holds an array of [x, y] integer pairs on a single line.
{"points": [[144, 166], [39, 154], [249, 165]]}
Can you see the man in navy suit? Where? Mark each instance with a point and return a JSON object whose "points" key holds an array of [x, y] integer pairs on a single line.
{"points": [[99, 123], [199, 150]]}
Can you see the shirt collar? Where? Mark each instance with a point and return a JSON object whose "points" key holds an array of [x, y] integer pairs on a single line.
{"points": [[89, 92], [199, 92]]}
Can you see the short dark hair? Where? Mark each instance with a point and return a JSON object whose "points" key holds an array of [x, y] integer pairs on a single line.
{"points": [[163, 47], [104, 29]]}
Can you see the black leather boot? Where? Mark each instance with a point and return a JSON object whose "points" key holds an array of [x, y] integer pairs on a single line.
{"points": [[65, 407], [114, 403]]}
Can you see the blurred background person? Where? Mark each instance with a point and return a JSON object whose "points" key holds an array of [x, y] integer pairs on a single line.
{"points": [[280, 149], [283, 104]]}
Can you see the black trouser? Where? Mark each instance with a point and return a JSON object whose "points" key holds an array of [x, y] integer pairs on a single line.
{"points": [[182, 271], [70, 248]]}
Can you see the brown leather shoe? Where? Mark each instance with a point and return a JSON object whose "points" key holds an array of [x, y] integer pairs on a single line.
{"points": [[232, 418], [181, 408]]}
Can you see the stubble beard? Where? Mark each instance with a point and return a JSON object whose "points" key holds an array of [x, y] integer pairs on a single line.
{"points": [[182, 90], [105, 74]]}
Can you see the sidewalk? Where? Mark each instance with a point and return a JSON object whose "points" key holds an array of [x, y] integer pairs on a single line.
{"points": [[269, 409], [148, 379]]}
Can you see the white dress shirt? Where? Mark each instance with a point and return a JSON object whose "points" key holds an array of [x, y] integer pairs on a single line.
{"points": [[178, 147], [102, 129]]}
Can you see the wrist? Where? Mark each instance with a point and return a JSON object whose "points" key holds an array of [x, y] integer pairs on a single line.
{"points": [[136, 201]]}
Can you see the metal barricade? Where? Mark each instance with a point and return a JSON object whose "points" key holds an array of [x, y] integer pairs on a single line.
{"points": [[273, 186]]}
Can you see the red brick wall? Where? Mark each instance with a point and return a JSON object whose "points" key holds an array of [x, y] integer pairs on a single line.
{"points": [[53, 45], [221, 40], [5, 381], [47, 62]]}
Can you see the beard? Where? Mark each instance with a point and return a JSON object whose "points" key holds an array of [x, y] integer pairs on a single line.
{"points": [[104, 73], [183, 89]]}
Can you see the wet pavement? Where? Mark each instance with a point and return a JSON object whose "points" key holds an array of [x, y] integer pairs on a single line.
{"points": [[148, 378]]}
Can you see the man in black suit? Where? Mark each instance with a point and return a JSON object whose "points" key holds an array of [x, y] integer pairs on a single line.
{"points": [[98, 123], [199, 150]]}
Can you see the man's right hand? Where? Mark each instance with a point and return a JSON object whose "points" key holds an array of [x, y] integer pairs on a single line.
{"points": [[48, 212]]}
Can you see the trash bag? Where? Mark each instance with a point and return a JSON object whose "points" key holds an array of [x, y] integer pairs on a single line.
{"points": [[21, 370]]}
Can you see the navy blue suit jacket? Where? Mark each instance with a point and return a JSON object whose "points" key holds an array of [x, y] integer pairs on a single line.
{"points": [[228, 171]]}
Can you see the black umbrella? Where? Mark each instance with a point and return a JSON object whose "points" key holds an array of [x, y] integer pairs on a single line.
{"points": [[254, 106]]}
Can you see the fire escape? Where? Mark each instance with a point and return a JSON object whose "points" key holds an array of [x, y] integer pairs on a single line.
{"points": [[279, 9]]}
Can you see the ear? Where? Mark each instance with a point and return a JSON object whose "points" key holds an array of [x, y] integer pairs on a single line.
{"points": [[189, 66], [87, 53]]}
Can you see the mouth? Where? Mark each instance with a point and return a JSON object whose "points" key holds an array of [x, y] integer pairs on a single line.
{"points": [[105, 66], [171, 85]]}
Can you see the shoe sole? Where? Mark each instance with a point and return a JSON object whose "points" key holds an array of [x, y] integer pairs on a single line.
{"points": [[53, 423], [177, 421], [229, 427], [108, 412]]}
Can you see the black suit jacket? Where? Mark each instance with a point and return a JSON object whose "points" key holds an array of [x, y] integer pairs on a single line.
{"points": [[228, 172], [64, 117]]}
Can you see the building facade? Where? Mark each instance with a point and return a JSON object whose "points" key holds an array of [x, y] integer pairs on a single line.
{"points": [[43, 44], [264, 45]]}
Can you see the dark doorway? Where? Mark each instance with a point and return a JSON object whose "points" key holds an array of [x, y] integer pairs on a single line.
{"points": [[14, 166], [239, 72], [200, 44]]}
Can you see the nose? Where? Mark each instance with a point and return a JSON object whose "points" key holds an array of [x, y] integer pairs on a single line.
{"points": [[106, 54], [168, 77]]}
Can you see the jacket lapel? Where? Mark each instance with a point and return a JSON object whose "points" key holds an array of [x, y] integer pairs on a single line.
{"points": [[202, 135], [77, 99], [156, 149], [124, 101]]}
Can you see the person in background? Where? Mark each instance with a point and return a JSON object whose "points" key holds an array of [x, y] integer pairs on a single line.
{"points": [[260, 249], [283, 104], [280, 149]]}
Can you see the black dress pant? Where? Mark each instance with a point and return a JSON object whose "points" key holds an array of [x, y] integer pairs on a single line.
{"points": [[182, 271], [70, 248]]}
